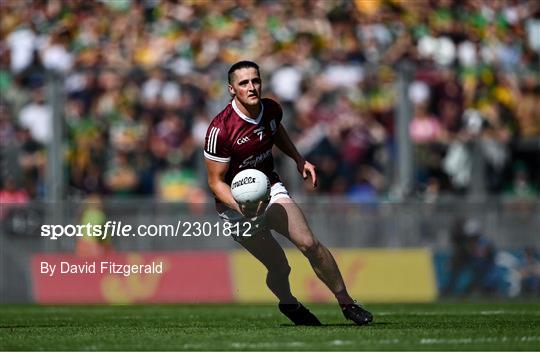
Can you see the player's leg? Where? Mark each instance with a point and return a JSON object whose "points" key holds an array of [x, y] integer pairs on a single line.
{"points": [[286, 218], [266, 249]]}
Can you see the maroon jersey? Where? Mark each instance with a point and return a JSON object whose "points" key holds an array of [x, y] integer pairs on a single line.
{"points": [[243, 142]]}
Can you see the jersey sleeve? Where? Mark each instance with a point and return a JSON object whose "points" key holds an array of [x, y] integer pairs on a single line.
{"points": [[279, 113], [216, 145], [274, 108]]}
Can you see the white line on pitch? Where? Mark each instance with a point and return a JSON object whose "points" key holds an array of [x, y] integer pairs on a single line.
{"points": [[469, 340], [433, 313]]}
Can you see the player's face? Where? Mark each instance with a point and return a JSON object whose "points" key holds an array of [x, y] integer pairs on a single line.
{"points": [[246, 86]]}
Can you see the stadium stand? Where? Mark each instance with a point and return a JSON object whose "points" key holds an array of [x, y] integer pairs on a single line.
{"points": [[143, 78]]}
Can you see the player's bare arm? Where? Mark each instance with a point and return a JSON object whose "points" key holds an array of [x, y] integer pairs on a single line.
{"points": [[284, 143], [216, 182]]}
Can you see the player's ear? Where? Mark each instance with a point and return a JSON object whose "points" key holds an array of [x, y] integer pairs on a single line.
{"points": [[231, 90]]}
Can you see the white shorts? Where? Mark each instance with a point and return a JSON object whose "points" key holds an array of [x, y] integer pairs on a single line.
{"points": [[277, 191]]}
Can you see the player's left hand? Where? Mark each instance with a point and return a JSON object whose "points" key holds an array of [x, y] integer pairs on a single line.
{"points": [[254, 214], [251, 210], [308, 170]]}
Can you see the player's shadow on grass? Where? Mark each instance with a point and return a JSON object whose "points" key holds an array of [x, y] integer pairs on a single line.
{"points": [[343, 325]]}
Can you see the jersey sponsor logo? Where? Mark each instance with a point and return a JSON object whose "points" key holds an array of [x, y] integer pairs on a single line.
{"points": [[244, 181], [242, 140], [212, 140], [260, 132], [253, 160]]}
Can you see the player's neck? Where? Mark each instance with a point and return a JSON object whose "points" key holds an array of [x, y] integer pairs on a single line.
{"points": [[251, 111]]}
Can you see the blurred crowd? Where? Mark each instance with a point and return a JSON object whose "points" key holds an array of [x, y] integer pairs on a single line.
{"points": [[143, 78]]}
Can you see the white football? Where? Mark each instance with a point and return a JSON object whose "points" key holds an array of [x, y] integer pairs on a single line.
{"points": [[250, 186]]}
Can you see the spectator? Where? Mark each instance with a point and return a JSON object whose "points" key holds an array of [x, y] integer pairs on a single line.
{"points": [[93, 214], [530, 273], [11, 195], [429, 137], [121, 178], [425, 128], [31, 161], [521, 188], [37, 117], [472, 265], [527, 111]]}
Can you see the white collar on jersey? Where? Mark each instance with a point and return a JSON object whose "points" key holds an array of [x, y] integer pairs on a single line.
{"points": [[247, 118]]}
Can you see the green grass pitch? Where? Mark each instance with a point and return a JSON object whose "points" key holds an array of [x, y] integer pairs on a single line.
{"points": [[459, 326]]}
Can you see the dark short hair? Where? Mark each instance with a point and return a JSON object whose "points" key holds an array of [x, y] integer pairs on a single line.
{"points": [[242, 65]]}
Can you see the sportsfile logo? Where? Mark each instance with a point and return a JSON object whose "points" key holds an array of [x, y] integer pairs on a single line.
{"points": [[246, 180], [121, 230]]}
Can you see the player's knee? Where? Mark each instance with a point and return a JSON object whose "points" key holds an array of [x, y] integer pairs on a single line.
{"points": [[309, 246]]}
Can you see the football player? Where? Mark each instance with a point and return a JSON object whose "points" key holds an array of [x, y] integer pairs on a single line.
{"points": [[242, 136]]}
